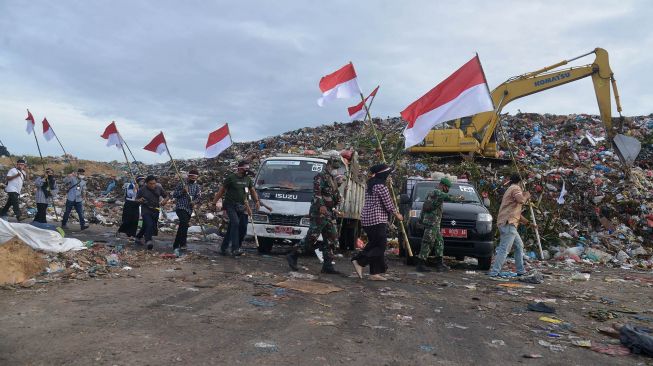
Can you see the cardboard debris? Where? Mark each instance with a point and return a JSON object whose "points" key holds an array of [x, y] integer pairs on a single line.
{"points": [[309, 287]]}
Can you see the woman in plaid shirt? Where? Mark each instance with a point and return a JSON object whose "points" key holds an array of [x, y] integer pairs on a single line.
{"points": [[377, 209]]}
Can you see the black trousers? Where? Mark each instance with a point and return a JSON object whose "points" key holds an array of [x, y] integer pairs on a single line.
{"points": [[41, 209], [12, 201], [374, 252], [182, 230], [129, 218]]}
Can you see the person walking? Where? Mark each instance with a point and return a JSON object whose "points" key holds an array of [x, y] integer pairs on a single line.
{"points": [[15, 179], [131, 207], [150, 199], [235, 198], [508, 219], [323, 213], [378, 207], [430, 217], [75, 196], [185, 195], [46, 187]]}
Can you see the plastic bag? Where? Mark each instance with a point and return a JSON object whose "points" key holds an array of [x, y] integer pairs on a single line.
{"points": [[639, 340]]}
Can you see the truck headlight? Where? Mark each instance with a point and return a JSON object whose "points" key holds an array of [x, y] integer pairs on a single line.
{"points": [[485, 217], [305, 221], [260, 218], [414, 213]]}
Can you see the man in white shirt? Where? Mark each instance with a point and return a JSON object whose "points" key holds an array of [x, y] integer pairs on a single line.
{"points": [[15, 179]]}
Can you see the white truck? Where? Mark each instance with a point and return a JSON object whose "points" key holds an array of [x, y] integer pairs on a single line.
{"points": [[285, 183]]}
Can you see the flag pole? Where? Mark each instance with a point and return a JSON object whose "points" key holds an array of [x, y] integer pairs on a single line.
{"points": [[38, 147], [59, 141], [129, 166], [184, 185], [409, 251]]}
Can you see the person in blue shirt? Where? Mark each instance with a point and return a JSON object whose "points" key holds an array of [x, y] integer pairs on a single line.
{"points": [[75, 188]]}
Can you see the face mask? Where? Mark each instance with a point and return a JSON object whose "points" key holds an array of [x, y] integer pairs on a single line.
{"points": [[334, 172], [82, 176]]}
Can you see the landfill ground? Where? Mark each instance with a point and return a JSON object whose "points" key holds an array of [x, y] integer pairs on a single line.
{"points": [[205, 309]]}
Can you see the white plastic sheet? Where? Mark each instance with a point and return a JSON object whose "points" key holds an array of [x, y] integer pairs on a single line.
{"points": [[39, 239]]}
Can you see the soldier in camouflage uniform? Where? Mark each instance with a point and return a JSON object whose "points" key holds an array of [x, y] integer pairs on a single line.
{"points": [[430, 218], [323, 215]]}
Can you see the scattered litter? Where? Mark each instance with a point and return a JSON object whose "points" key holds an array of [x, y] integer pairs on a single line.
{"points": [[454, 325], [426, 348], [581, 343], [309, 287], [541, 308], [550, 320], [268, 347], [638, 340], [580, 276], [611, 349], [262, 303]]}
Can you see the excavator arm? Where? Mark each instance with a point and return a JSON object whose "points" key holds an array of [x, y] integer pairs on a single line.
{"points": [[477, 136]]}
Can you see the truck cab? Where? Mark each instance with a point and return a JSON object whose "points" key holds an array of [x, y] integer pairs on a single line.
{"points": [[466, 226], [285, 183]]}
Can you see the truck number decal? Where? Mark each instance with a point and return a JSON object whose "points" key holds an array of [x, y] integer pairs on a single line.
{"points": [[466, 189], [317, 167]]}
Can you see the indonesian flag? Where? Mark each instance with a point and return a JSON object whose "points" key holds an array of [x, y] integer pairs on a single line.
{"points": [[219, 140], [112, 136], [30, 123], [338, 85], [464, 93], [48, 132], [358, 111], [157, 145]]}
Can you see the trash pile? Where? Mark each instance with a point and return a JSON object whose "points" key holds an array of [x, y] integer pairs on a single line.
{"points": [[586, 207]]}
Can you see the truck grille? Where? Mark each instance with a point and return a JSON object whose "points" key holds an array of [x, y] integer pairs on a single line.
{"points": [[285, 220], [460, 224]]}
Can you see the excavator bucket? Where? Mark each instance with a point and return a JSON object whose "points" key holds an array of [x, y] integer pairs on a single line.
{"points": [[627, 148]]}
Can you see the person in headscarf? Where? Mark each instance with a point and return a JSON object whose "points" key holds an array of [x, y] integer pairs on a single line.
{"points": [[378, 208], [131, 208]]}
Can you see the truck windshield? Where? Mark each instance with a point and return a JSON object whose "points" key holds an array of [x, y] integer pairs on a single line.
{"points": [[288, 174], [422, 190]]}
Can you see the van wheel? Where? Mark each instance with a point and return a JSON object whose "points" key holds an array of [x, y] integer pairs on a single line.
{"points": [[484, 263], [265, 245]]}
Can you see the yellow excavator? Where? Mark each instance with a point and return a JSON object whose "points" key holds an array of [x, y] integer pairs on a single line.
{"points": [[477, 134]]}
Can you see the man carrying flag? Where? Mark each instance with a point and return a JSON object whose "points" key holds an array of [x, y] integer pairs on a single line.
{"points": [[462, 94], [185, 195], [75, 195], [15, 179]]}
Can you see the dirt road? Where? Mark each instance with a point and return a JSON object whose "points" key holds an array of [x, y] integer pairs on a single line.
{"points": [[221, 311]]}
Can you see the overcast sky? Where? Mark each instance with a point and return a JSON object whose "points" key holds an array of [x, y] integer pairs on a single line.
{"points": [[186, 67]]}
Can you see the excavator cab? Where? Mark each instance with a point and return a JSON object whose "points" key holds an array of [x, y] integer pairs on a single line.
{"points": [[477, 134]]}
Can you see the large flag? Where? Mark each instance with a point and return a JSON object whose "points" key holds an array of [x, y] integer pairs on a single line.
{"points": [[48, 132], [219, 140], [358, 111], [338, 85], [112, 136], [30, 123], [157, 145], [462, 94]]}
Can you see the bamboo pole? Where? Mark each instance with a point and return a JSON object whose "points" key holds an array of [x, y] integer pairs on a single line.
{"points": [[184, 185], [409, 251]]}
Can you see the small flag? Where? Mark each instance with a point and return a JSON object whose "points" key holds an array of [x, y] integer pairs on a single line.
{"points": [[157, 145], [219, 140], [462, 94], [563, 192], [358, 111], [48, 132], [338, 85], [112, 136], [30, 123]]}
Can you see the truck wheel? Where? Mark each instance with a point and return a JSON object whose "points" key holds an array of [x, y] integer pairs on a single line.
{"points": [[265, 245], [484, 263]]}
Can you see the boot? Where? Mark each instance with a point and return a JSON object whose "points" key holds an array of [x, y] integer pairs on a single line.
{"points": [[292, 259], [327, 266], [421, 266], [440, 266]]}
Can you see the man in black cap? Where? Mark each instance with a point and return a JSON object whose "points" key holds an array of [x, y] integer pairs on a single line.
{"points": [[323, 213], [15, 179], [235, 198], [75, 196], [185, 195]]}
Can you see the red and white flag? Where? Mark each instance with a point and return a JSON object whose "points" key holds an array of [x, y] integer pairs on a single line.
{"points": [[358, 111], [464, 93], [338, 85], [219, 140], [112, 136], [157, 145], [48, 132], [30, 123]]}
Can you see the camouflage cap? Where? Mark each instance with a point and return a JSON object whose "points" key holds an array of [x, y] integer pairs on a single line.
{"points": [[446, 182]]}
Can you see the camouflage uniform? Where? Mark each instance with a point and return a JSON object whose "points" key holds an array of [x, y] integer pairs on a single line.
{"points": [[325, 193], [430, 218]]}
